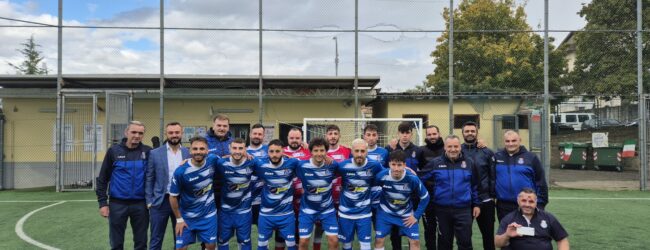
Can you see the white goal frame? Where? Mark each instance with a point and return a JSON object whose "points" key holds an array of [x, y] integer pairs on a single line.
{"points": [[417, 130]]}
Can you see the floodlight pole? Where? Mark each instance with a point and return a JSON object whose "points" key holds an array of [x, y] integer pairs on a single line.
{"points": [[260, 99], [643, 154], [59, 100], [336, 56], [162, 70], [451, 67], [546, 140]]}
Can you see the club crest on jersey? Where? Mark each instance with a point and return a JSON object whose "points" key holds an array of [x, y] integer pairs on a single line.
{"points": [[520, 161], [402, 187], [413, 154], [543, 224], [463, 164], [144, 156]]}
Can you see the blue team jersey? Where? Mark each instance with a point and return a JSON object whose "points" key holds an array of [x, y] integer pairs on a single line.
{"points": [[277, 192], [379, 154], [193, 185], [396, 194], [317, 186], [357, 182], [256, 190], [236, 189]]}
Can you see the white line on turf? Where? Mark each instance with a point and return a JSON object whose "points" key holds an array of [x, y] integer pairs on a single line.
{"points": [[23, 236], [601, 198]]}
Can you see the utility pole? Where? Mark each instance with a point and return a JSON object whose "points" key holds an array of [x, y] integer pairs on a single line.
{"points": [[336, 56]]}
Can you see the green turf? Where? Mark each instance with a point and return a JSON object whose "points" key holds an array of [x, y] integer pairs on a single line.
{"points": [[592, 224]]}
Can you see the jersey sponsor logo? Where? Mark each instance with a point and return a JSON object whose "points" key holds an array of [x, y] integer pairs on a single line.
{"points": [[323, 173], [318, 190], [203, 191], [121, 156], [238, 186], [521, 161], [228, 172], [278, 190], [283, 172], [543, 224], [357, 189], [193, 178], [365, 173], [309, 174], [399, 202], [402, 187], [268, 173]]}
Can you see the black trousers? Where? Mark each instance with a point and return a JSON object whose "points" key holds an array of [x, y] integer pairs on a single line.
{"points": [[134, 212], [454, 222], [504, 208], [485, 223], [430, 227]]}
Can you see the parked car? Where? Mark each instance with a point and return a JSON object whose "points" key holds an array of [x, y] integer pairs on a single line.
{"points": [[600, 123], [572, 121]]}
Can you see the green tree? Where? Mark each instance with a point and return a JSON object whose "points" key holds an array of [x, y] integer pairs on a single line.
{"points": [[605, 60], [33, 63], [488, 57]]}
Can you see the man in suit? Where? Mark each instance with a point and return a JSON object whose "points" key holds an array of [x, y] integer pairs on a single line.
{"points": [[163, 161]]}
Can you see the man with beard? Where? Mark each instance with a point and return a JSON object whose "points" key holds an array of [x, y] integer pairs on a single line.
{"points": [[297, 150], [260, 151], [163, 161], [529, 227], [190, 197], [276, 212], [434, 147], [338, 153], [235, 212], [355, 206], [484, 162]]}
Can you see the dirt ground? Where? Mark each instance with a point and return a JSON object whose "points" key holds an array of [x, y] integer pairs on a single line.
{"points": [[591, 179]]}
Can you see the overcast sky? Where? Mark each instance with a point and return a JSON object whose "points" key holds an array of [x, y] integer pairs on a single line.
{"points": [[400, 59]]}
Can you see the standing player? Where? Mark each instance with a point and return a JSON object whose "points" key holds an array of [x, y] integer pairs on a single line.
{"points": [[484, 161], [375, 153], [338, 153], [276, 212], [235, 173], [434, 147], [258, 150], [316, 204], [355, 209], [295, 149], [396, 210], [191, 198]]}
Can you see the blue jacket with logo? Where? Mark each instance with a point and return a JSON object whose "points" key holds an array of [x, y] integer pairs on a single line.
{"points": [[123, 174], [484, 160], [414, 157], [515, 172], [218, 146], [455, 183]]}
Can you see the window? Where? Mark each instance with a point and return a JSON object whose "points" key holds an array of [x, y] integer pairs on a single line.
{"points": [[459, 120], [558, 118], [523, 121], [570, 118], [582, 118], [509, 122]]}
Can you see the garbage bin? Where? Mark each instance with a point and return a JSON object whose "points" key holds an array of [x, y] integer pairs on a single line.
{"points": [[575, 155], [608, 158]]}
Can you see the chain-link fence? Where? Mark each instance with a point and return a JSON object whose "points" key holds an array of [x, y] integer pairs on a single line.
{"points": [[277, 62]]}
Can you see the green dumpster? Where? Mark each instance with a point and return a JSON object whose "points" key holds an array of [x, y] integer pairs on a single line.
{"points": [[575, 155], [608, 158]]}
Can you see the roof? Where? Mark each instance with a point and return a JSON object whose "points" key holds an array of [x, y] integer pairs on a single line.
{"points": [[152, 81], [464, 95]]}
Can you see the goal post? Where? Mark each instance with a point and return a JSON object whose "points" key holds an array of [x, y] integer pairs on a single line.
{"points": [[352, 128]]}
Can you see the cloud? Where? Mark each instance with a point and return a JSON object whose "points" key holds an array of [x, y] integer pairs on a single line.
{"points": [[401, 59]]}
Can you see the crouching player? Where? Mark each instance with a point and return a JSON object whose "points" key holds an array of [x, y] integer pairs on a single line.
{"points": [[396, 210], [191, 198], [316, 204], [276, 212]]}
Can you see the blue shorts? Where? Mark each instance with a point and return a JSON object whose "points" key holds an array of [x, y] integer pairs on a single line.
{"points": [[286, 224], [231, 222], [386, 221], [328, 221], [206, 232], [347, 228]]}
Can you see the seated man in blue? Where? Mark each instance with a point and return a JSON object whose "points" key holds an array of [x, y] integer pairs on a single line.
{"points": [[276, 212], [191, 198], [396, 209], [316, 204], [235, 173]]}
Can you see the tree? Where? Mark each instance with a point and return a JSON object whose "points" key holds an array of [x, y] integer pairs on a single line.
{"points": [[606, 61], [490, 58], [33, 58]]}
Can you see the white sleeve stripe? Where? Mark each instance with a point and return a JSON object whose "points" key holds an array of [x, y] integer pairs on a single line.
{"points": [[424, 196], [173, 194]]}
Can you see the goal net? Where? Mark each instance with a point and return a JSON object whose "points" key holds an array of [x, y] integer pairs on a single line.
{"points": [[352, 128]]}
